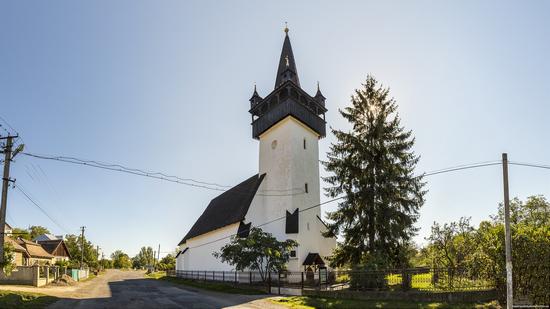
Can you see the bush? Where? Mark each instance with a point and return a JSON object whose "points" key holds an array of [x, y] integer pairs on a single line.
{"points": [[361, 279]]}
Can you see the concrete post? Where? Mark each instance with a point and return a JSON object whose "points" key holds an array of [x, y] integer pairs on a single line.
{"points": [[35, 275], [47, 269]]}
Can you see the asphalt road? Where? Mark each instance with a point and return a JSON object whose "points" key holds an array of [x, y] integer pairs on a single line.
{"points": [[131, 289]]}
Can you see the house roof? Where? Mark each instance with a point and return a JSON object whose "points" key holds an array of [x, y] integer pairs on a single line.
{"points": [[313, 259], [227, 208], [34, 250], [43, 237], [16, 246], [51, 245]]}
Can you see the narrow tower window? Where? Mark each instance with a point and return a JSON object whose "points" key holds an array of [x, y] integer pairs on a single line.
{"points": [[304, 143], [305, 187]]}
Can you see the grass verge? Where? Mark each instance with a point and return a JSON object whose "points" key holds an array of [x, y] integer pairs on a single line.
{"points": [[210, 286], [25, 300], [304, 302]]}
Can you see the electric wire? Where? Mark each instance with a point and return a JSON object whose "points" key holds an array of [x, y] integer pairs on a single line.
{"points": [[155, 175], [268, 222], [11, 128], [530, 165], [40, 208], [440, 171], [462, 167]]}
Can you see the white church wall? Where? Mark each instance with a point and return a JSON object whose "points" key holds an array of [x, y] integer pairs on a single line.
{"points": [[288, 166], [199, 256]]}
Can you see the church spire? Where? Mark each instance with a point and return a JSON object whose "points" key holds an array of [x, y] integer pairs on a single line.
{"points": [[287, 65]]}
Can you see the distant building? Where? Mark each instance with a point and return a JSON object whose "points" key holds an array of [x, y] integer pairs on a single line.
{"points": [[286, 192], [21, 256], [37, 254], [57, 248], [45, 237]]}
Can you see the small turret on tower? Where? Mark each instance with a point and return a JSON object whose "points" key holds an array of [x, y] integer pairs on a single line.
{"points": [[287, 99], [255, 99], [319, 96]]}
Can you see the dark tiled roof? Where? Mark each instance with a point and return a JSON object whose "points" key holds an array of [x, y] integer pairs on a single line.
{"points": [[313, 259], [227, 208], [286, 62], [51, 245]]}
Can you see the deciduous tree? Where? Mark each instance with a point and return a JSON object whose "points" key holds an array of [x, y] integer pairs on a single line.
{"points": [[259, 251]]}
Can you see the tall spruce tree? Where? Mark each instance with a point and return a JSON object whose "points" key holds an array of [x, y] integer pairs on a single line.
{"points": [[372, 166]]}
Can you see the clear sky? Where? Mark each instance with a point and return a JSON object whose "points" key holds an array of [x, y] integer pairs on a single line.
{"points": [[165, 86]]}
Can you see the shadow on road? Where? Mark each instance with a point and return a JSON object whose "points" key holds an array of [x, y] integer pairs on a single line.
{"points": [[150, 293]]}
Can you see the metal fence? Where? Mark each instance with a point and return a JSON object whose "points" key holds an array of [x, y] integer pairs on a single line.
{"points": [[418, 279]]}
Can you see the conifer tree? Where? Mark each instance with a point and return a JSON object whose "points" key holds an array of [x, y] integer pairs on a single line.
{"points": [[372, 165]]}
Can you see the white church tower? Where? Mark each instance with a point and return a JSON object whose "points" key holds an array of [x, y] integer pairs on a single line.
{"points": [[288, 124]]}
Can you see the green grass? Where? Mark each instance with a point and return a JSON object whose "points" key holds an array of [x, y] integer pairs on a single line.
{"points": [[13, 299], [423, 282], [211, 286], [304, 302]]}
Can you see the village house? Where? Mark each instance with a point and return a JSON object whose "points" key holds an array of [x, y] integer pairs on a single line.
{"points": [[37, 254], [57, 248], [284, 196], [20, 254]]}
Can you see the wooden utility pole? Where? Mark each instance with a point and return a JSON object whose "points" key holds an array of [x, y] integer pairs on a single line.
{"points": [[507, 234], [5, 185], [82, 228]]}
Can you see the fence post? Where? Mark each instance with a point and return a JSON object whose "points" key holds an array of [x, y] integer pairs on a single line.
{"points": [[268, 282], [213, 275], [302, 282], [250, 277], [319, 271], [223, 276], [235, 276], [279, 282]]}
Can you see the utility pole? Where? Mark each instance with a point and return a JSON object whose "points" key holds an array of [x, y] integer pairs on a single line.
{"points": [[507, 234], [158, 255], [5, 184], [82, 228]]}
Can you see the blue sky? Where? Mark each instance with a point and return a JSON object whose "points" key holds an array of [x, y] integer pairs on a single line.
{"points": [[165, 86]]}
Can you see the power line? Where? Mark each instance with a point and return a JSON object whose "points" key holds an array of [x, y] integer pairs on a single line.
{"points": [[41, 209], [14, 130], [530, 165], [155, 175], [462, 167], [441, 171], [7, 123], [269, 222]]}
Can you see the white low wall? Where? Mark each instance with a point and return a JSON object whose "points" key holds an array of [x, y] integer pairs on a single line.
{"points": [[30, 275], [20, 275]]}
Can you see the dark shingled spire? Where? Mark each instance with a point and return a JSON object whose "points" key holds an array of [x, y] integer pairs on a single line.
{"points": [[287, 65]]}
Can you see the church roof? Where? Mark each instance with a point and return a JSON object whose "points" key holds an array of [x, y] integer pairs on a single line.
{"points": [[227, 208], [287, 62]]}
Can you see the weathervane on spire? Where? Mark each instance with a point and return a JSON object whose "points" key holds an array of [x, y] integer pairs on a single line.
{"points": [[286, 27]]}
